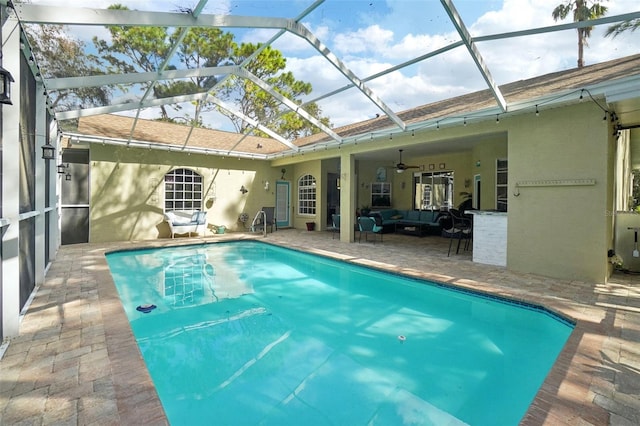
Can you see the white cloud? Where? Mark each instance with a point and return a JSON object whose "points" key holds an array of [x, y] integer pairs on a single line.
{"points": [[454, 72], [389, 33], [365, 40]]}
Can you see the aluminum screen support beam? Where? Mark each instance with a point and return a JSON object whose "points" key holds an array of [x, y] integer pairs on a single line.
{"points": [[133, 78], [85, 112], [289, 103], [475, 53], [85, 16], [301, 31], [53, 15], [252, 122], [182, 32]]}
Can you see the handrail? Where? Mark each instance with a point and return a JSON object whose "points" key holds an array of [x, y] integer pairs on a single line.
{"points": [[264, 222]]}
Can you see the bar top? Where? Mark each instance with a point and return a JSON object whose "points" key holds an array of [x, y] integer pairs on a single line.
{"points": [[486, 212]]}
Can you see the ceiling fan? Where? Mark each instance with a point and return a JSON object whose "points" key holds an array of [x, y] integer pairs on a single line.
{"points": [[401, 167]]}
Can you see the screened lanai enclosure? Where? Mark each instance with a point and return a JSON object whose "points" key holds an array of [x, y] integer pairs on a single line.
{"points": [[180, 83], [282, 80]]}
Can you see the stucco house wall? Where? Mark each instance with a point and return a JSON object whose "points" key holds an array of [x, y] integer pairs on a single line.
{"points": [[556, 228], [313, 168], [127, 190]]}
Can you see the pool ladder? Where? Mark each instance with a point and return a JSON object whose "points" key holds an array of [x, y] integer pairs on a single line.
{"points": [[256, 221]]}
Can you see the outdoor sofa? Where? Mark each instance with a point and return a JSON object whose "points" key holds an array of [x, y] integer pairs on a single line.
{"points": [[185, 221], [419, 222]]}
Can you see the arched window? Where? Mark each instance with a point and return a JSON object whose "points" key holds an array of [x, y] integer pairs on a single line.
{"points": [[307, 195], [182, 190]]}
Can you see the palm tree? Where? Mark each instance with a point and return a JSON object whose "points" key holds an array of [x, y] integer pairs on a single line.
{"points": [[583, 10], [617, 29]]}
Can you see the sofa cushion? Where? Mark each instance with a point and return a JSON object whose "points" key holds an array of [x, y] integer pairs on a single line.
{"points": [[429, 216], [387, 214], [180, 217], [412, 216]]}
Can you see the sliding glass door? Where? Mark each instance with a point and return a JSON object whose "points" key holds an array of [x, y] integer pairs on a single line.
{"points": [[433, 190]]}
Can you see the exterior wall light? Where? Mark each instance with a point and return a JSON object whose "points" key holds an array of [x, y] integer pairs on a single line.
{"points": [[62, 168], [48, 151], [5, 86]]}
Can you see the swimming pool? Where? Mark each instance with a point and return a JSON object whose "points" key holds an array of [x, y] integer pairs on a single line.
{"points": [[250, 333]]}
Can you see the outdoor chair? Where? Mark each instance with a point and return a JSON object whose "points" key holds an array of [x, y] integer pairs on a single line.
{"points": [[369, 225], [185, 222], [456, 226], [268, 218], [335, 225]]}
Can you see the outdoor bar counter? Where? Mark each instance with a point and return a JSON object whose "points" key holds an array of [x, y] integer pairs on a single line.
{"points": [[489, 237]]}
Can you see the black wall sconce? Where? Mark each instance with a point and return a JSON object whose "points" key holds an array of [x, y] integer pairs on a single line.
{"points": [[62, 168], [283, 171], [67, 176], [48, 151], [243, 190], [5, 86]]}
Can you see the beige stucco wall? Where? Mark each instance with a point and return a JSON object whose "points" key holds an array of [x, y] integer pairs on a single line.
{"points": [[560, 231], [486, 154], [127, 193], [313, 168]]}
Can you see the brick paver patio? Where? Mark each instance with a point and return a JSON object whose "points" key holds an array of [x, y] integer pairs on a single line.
{"points": [[76, 361]]}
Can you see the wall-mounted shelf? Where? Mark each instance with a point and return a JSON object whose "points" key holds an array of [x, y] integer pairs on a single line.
{"points": [[556, 182]]}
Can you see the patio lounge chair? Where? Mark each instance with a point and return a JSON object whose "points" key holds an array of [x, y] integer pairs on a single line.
{"points": [[370, 225]]}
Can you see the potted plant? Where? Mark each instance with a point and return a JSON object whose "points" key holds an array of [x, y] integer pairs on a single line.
{"points": [[218, 229], [467, 201], [311, 226], [365, 210]]}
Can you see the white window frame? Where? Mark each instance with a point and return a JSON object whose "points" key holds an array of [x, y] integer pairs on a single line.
{"points": [[183, 190], [502, 186], [307, 195]]}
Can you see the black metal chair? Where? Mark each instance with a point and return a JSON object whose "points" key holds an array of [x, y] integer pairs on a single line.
{"points": [[456, 226]]}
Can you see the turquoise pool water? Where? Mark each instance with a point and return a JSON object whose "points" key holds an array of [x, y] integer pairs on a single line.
{"points": [[247, 333]]}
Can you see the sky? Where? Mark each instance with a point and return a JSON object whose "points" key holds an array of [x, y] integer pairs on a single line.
{"points": [[370, 36]]}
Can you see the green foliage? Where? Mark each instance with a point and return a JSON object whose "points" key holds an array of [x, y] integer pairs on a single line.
{"points": [[146, 49], [60, 55], [136, 49], [583, 10], [617, 29], [635, 194], [269, 65]]}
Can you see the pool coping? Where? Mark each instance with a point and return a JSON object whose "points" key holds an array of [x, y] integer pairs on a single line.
{"points": [[541, 405], [581, 388]]}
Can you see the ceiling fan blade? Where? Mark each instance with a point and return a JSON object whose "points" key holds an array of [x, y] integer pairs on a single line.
{"points": [[400, 167]]}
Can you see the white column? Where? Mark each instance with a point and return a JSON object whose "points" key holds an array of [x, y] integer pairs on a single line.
{"points": [[54, 202], [40, 183], [347, 196], [11, 183]]}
